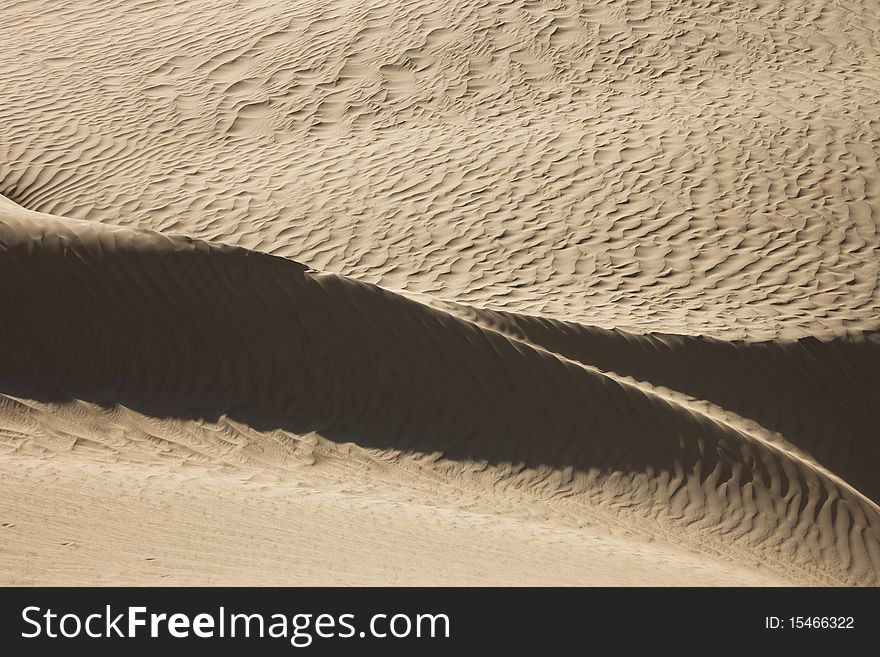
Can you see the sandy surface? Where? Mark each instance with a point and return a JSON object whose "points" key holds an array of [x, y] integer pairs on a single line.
{"points": [[449, 292]]}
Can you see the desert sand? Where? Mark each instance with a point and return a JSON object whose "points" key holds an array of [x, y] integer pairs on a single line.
{"points": [[440, 292]]}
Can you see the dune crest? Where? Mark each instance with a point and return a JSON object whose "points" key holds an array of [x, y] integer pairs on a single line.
{"points": [[564, 291], [694, 167], [178, 328]]}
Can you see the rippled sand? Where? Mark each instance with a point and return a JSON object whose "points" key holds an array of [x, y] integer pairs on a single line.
{"points": [[523, 292]]}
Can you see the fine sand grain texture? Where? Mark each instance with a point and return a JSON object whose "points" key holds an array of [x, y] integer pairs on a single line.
{"points": [[440, 292]]}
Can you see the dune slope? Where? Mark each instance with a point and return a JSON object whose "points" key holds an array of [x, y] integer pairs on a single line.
{"points": [[682, 166], [560, 291], [176, 328]]}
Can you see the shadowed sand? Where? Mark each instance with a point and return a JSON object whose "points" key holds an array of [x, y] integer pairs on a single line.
{"points": [[176, 328], [440, 291]]}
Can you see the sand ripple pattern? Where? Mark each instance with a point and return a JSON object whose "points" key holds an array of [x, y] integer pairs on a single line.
{"points": [[688, 166], [178, 328]]}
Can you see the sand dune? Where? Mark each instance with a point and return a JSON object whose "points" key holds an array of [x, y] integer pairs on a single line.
{"points": [[690, 167], [567, 292], [176, 328]]}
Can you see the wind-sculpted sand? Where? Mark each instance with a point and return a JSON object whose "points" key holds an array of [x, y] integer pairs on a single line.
{"points": [[440, 292]]}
